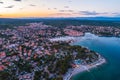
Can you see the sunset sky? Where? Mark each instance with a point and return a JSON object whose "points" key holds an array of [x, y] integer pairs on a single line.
{"points": [[59, 8]]}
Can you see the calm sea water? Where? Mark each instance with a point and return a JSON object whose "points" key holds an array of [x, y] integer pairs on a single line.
{"points": [[109, 48]]}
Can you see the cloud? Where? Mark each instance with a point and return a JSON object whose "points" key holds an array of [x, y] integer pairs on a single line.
{"points": [[61, 10], [116, 14], [66, 11], [55, 8], [60, 14], [32, 5], [66, 6], [11, 6], [21, 8], [69, 1], [91, 13], [1, 2], [82, 12], [18, 0], [49, 8]]}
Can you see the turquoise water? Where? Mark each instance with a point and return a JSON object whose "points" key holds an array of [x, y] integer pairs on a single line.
{"points": [[109, 48]]}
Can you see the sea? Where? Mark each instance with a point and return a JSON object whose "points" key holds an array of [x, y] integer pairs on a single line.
{"points": [[109, 48]]}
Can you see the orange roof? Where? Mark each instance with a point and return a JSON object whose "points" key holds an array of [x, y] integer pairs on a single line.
{"points": [[2, 67]]}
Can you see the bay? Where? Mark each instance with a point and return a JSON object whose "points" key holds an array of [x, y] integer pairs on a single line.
{"points": [[109, 48]]}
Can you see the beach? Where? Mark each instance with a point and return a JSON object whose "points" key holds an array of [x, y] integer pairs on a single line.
{"points": [[83, 68]]}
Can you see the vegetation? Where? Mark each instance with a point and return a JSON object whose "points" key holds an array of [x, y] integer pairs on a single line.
{"points": [[4, 75], [11, 23], [58, 64]]}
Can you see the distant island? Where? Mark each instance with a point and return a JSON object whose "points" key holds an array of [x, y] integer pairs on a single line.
{"points": [[31, 51]]}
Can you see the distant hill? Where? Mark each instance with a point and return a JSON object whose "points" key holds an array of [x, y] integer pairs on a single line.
{"points": [[78, 18], [94, 18], [61, 22], [99, 18]]}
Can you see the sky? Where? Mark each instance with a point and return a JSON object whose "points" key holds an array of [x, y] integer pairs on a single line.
{"points": [[59, 8]]}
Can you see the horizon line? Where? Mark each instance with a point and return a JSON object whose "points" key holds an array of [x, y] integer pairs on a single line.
{"points": [[56, 17]]}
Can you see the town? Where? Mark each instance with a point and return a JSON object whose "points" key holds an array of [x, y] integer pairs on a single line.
{"points": [[27, 53]]}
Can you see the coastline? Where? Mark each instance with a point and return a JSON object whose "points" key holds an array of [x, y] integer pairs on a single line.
{"points": [[65, 38], [83, 68]]}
